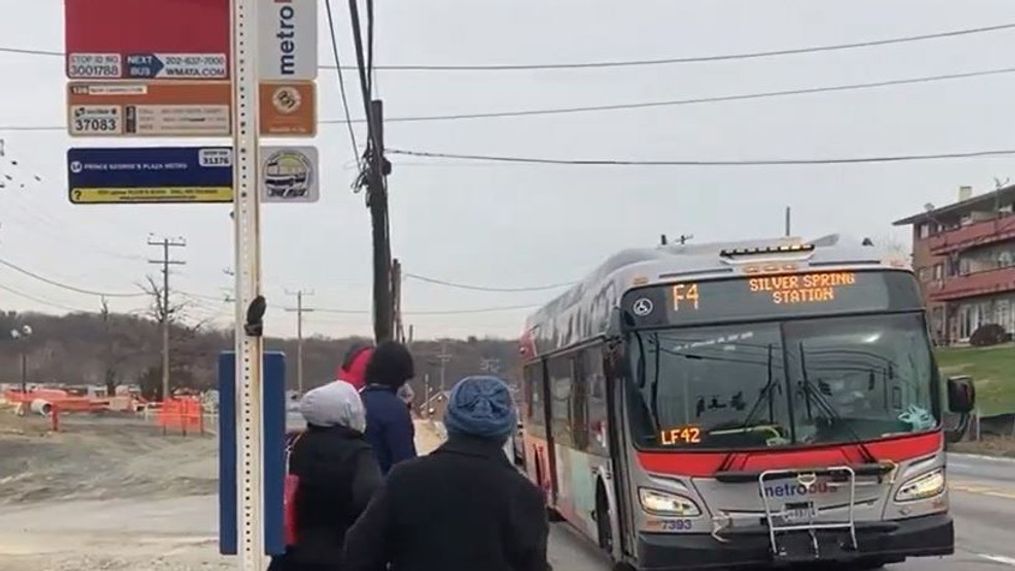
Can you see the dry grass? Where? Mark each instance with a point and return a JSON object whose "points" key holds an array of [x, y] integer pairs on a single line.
{"points": [[989, 446]]}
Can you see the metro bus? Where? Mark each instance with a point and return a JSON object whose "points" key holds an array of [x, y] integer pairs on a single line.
{"points": [[742, 404]]}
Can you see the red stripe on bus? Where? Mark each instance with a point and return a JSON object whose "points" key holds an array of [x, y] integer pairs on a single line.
{"points": [[707, 463]]}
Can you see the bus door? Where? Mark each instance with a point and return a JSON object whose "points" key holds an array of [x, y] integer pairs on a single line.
{"points": [[551, 448], [539, 434], [619, 443]]}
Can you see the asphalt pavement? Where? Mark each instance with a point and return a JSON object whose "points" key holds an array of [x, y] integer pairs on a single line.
{"points": [[982, 503]]}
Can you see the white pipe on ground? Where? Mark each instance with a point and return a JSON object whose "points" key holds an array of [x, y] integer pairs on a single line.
{"points": [[42, 407]]}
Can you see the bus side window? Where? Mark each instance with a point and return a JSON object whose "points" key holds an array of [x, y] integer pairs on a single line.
{"points": [[597, 414], [580, 402], [560, 369], [534, 411]]}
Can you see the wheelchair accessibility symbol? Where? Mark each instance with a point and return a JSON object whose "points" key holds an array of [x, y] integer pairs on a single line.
{"points": [[643, 307]]}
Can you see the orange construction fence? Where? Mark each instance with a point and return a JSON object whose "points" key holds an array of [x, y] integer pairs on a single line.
{"points": [[183, 415]]}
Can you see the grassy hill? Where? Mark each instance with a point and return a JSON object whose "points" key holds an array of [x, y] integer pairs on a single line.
{"points": [[993, 370]]}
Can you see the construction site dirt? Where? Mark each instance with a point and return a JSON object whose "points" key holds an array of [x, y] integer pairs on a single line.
{"points": [[110, 493]]}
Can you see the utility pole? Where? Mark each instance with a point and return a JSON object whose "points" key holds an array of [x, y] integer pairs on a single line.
{"points": [[375, 173], [165, 262], [299, 310], [444, 358], [377, 200], [396, 299]]}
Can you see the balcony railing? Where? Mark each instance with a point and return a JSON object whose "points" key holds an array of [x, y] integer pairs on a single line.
{"points": [[970, 285], [977, 234]]}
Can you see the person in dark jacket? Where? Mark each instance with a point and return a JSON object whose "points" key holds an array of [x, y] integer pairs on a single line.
{"points": [[389, 423], [462, 508], [338, 474]]}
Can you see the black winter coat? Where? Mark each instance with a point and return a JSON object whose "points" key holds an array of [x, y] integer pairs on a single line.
{"points": [[462, 508], [338, 474]]}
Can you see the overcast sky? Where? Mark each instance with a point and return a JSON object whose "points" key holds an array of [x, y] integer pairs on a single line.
{"points": [[516, 226]]}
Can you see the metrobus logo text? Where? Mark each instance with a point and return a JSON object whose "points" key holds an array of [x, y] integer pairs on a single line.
{"points": [[794, 489], [286, 36]]}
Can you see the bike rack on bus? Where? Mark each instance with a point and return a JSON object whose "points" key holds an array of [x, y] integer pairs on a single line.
{"points": [[777, 521]]}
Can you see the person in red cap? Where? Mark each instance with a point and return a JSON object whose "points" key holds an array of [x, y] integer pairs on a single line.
{"points": [[354, 365]]}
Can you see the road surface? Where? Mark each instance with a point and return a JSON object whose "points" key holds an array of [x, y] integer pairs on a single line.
{"points": [[180, 533], [983, 505]]}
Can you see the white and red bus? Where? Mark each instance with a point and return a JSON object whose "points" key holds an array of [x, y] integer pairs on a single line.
{"points": [[743, 404]]}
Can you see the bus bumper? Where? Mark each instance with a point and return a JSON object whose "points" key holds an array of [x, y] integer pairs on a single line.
{"points": [[889, 540]]}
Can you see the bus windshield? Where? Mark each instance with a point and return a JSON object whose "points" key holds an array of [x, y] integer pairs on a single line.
{"points": [[783, 383]]}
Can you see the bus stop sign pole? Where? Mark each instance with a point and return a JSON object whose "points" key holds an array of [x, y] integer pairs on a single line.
{"points": [[249, 343]]}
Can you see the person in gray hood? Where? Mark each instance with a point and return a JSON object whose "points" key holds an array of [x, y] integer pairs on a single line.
{"points": [[338, 474]]}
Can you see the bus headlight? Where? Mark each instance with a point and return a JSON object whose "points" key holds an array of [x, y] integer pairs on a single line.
{"points": [[922, 487], [663, 503]]}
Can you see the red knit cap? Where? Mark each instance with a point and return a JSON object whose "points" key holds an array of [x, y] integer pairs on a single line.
{"points": [[354, 371]]}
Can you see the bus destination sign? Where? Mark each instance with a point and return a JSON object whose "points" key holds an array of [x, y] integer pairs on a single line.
{"points": [[803, 288], [772, 296]]}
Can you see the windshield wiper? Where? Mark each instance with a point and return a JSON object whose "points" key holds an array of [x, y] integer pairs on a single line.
{"points": [[766, 391], [830, 412], [649, 409]]}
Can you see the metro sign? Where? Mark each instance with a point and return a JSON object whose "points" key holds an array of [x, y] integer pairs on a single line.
{"points": [[147, 39], [288, 40]]}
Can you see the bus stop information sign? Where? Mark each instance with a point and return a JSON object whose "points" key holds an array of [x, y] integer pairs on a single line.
{"points": [[128, 39], [150, 174]]}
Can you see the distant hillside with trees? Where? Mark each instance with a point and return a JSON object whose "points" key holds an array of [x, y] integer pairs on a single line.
{"points": [[115, 349]]}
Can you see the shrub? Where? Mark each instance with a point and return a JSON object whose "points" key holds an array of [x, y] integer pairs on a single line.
{"points": [[987, 335]]}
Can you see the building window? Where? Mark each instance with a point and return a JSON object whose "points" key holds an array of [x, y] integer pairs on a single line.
{"points": [[953, 267], [938, 322], [965, 322], [939, 270], [966, 266], [1006, 259], [1002, 314]]}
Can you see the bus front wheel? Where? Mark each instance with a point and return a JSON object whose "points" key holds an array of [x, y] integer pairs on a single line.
{"points": [[603, 521]]}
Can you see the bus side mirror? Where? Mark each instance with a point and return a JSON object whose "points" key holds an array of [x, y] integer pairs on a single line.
{"points": [[961, 394]]}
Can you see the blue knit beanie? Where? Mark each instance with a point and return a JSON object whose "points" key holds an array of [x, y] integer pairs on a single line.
{"points": [[481, 407]]}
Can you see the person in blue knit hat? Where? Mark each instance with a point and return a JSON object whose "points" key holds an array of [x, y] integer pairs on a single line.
{"points": [[462, 507]]}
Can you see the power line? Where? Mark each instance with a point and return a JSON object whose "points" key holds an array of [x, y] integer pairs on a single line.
{"points": [[68, 287], [485, 288], [42, 301], [699, 59], [220, 298], [694, 163], [635, 105], [698, 100], [473, 311], [341, 81], [631, 63], [31, 52], [431, 312]]}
